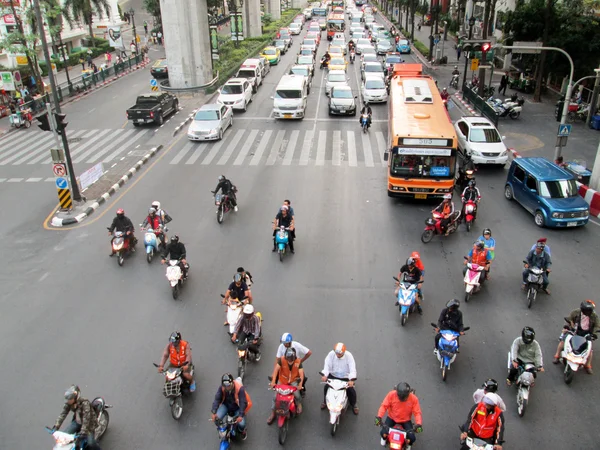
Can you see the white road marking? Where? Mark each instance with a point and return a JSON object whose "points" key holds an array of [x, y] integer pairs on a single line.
{"points": [[14, 180], [289, 152], [245, 148], [43, 277], [231, 147], [261, 147], [275, 148], [366, 145], [306, 146], [336, 158], [33, 180], [186, 148], [350, 140], [197, 153]]}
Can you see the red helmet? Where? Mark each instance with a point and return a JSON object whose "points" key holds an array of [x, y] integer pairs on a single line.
{"points": [[415, 255], [120, 212]]}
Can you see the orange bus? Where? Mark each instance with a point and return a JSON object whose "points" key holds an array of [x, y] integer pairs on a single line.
{"points": [[421, 151], [335, 24]]}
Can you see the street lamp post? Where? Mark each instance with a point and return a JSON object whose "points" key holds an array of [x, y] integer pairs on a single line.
{"points": [[471, 23], [131, 13]]}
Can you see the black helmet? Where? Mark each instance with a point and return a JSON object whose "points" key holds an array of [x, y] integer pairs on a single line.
{"points": [[487, 231], [472, 183], [174, 239], [490, 385], [227, 380], [72, 393], [410, 262], [175, 337], [453, 304], [480, 245], [587, 307], [528, 335], [290, 354], [221, 178], [403, 390], [240, 270], [237, 278]]}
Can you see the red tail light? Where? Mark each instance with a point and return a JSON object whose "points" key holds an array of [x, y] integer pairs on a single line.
{"points": [[151, 114]]}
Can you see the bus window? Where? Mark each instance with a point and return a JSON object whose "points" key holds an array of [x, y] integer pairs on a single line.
{"points": [[416, 166]]}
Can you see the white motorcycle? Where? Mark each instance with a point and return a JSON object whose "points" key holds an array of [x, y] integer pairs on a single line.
{"points": [[336, 400], [478, 444], [473, 279], [575, 353], [175, 277], [234, 311], [524, 383]]}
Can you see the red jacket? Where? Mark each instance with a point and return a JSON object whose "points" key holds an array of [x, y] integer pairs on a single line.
{"points": [[401, 411]]}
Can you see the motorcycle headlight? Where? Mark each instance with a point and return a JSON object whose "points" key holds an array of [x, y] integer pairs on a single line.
{"points": [[241, 353]]}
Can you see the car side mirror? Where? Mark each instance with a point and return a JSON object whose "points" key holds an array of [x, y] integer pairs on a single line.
{"points": [[503, 137], [219, 90], [386, 156], [271, 97]]}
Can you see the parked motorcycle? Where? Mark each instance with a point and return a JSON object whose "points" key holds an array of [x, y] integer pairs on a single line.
{"points": [[454, 81], [336, 400], [407, 297], [245, 355], [227, 430], [364, 122], [223, 204], [285, 408], [175, 385], [397, 437], [433, 225], [152, 241], [576, 352], [511, 108], [474, 279], [175, 277], [534, 283], [524, 383], [447, 349], [282, 240], [120, 246]]}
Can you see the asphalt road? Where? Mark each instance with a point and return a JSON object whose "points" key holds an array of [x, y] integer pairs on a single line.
{"points": [[71, 315]]}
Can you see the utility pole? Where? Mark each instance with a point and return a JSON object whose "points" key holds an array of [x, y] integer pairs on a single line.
{"points": [[594, 99], [65, 142], [132, 15], [467, 55]]}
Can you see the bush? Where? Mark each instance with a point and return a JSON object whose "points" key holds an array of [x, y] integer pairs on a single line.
{"points": [[422, 48]]}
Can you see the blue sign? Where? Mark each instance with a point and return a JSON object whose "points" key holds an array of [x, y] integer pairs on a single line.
{"points": [[153, 82], [564, 130], [439, 171], [436, 41], [61, 183]]}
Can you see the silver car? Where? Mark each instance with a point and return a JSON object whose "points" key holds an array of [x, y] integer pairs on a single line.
{"points": [[384, 46], [367, 58], [372, 68], [374, 90], [335, 78], [361, 44], [305, 72], [210, 122], [369, 51]]}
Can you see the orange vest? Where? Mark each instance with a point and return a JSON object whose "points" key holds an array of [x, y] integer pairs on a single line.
{"points": [[447, 208], [287, 375], [238, 386], [178, 357], [484, 424], [479, 257]]}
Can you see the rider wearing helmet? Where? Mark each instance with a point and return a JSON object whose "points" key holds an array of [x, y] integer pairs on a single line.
{"points": [[122, 223], [340, 363], [400, 404], [582, 321], [490, 244], [455, 71], [479, 255], [544, 242], [489, 386], [232, 399], [414, 275], [486, 422], [538, 257], [471, 193], [166, 218], [446, 208], [179, 354], [288, 371], [154, 221], [450, 319], [228, 189], [366, 109], [286, 342], [248, 328], [285, 219], [524, 350], [84, 417], [176, 249], [444, 94]]}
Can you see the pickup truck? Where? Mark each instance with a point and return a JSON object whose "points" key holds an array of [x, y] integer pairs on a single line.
{"points": [[153, 107]]}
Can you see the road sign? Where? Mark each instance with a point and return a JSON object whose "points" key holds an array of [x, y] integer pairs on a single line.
{"points": [[153, 82], [561, 141], [564, 130], [64, 198], [59, 170], [62, 183], [436, 41], [474, 64]]}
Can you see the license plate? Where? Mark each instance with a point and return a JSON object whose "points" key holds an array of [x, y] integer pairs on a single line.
{"points": [[491, 161], [421, 196], [342, 110], [571, 224], [287, 116]]}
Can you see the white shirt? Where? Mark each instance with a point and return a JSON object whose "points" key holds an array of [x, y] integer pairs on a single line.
{"points": [[301, 350], [343, 367], [480, 393]]}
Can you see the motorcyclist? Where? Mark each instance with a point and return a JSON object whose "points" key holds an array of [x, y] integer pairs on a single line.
{"points": [[451, 318], [524, 350], [400, 404], [237, 290], [84, 421], [289, 371], [228, 189], [471, 192], [414, 275], [176, 249], [166, 218], [122, 223], [444, 94], [466, 171], [479, 255], [455, 71], [286, 342], [490, 245], [246, 277], [179, 354], [538, 258], [248, 327], [446, 208], [486, 422], [546, 247], [285, 219], [232, 399], [325, 59], [583, 321], [366, 109], [351, 46], [490, 386], [154, 221], [340, 363]]}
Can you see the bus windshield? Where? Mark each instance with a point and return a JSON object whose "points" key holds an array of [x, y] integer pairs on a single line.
{"points": [[421, 166], [336, 25], [319, 12]]}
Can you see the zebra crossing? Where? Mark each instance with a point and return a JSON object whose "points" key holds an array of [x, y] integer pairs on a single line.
{"points": [[87, 146], [253, 147]]}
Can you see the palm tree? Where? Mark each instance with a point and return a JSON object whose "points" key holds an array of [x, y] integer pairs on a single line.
{"points": [[82, 10]]}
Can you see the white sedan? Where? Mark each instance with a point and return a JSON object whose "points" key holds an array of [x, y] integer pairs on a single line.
{"points": [[236, 93], [210, 122], [335, 78], [374, 90]]}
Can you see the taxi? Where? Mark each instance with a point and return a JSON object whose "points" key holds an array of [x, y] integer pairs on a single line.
{"points": [[338, 62], [271, 54]]}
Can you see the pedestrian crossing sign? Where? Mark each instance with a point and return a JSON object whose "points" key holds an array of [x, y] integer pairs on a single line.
{"points": [[564, 129]]}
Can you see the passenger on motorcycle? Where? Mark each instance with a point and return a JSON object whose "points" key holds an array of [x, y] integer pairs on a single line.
{"points": [[490, 386], [285, 219], [166, 218], [237, 290], [155, 222], [414, 276], [248, 327], [540, 259], [288, 370], [451, 318], [122, 223], [400, 404], [486, 422], [84, 421], [490, 244], [584, 321], [479, 255], [340, 363], [286, 342], [177, 251], [232, 399], [444, 94], [287, 203], [366, 109], [446, 208], [246, 278], [471, 192], [546, 247], [179, 354], [228, 189], [524, 350]]}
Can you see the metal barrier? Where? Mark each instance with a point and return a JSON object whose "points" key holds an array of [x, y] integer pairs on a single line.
{"points": [[480, 105]]}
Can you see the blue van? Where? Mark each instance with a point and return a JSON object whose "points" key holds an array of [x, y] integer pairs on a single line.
{"points": [[547, 191]]}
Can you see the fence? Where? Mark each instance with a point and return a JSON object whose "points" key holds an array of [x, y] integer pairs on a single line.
{"points": [[480, 104]]}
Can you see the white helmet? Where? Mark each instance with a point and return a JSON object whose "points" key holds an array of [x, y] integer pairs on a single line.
{"points": [[491, 399], [448, 197], [156, 205], [248, 309]]}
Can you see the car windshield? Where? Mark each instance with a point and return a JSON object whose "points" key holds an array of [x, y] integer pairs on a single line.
{"points": [[341, 93], [393, 60], [369, 50], [417, 166], [370, 58], [338, 42], [558, 189], [334, 77], [488, 135], [373, 68], [402, 42], [384, 43], [284, 33], [306, 51], [208, 114], [309, 42], [295, 25], [375, 83], [288, 93], [299, 71], [337, 62], [279, 43], [231, 89], [363, 42], [162, 63], [360, 35], [246, 73], [305, 59]]}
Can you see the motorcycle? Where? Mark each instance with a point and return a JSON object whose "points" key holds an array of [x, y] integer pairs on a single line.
{"points": [[234, 312], [509, 108], [470, 208], [245, 355], [534, 283], [175, 277], [445, 102], [227, 430], [396, 437], [285, 408], [466, 173], [454, 81], [407, 297], [524, 383], [576, 352], [478, 444], [120, 246], [282, 240], [21, 119], [352, 56], [447, 349], [324, 63], [474, 279], [364, 122], [336, 400], [175, 386], [153, 242], [223, 204], [433, 225]]}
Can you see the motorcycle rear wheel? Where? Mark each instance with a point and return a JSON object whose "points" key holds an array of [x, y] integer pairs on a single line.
{"points": [[102, 424], [521, 403], [427, 236], [177, 408], [220, 214], [283, 432]]}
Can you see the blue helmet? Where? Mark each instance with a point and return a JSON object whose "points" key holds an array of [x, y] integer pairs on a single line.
{"points": [[286, 338]]}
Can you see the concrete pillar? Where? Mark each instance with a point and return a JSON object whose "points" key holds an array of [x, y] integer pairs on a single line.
{"points": [[251, 17], [187, 42], [298, 4], [275, 9]]}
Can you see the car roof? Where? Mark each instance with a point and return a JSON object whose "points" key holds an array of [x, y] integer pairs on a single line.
{"points": [[337, 72], [158, 62], [270, 47], [236, 81], [373, 76], [343, 86], [210, 107], [543, 169], [373, 63], [478, 122]]}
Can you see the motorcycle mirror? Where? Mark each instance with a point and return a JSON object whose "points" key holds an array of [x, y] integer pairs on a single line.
{"points": [[270, 378], [321, 373], [567, 320], [155, 365], [466, 328], [395, 278], [222, 296], [524, 262], [433, 325], [466, 257]]}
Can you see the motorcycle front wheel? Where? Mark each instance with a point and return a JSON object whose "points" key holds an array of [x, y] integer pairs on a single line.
{"points": [[467, 297], [568, 375], [120, 258], [283, 432], [521, 403], [220, 214], [444, 373], [531, 293], [149, 256], [333, 428], [103, 420], [468, 223], [403, 319], [281, 255], [175, 291], [177, 408], [427, 236]]}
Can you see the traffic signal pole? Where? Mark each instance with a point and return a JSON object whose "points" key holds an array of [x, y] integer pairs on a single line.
{"points": [[65, 142]]}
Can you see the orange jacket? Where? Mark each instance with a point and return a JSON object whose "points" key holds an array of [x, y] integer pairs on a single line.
{"points": [[401, 411], [484, 425], [479, 257], [178, 357], [288, 375]]}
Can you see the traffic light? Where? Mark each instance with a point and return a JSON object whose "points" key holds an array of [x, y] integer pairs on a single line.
{"points": [[44, 123], [475, 46], [60, 122], [484, 49]]}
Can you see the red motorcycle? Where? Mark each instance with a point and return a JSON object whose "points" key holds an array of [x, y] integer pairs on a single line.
{"points": [[396, 437], [120, 245], [285, 408], [469, 212], [433, 225]]}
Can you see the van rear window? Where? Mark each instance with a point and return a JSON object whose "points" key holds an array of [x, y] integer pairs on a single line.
{"points": [[288, 93]]}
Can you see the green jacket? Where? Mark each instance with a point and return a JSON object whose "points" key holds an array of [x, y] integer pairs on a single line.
{"points": [[528, 353], [575, 317], [83, 413]]}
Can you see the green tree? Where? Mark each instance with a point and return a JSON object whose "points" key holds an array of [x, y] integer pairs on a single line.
{"points": [[83, 10], [152, 7]]}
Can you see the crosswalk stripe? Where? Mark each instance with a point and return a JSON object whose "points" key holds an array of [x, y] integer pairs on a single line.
{"points": [[28, 149], [366, 145], [72, 147], [213, 152], [246, 148], [381, 146], [99, 134], [6, 141], [306, 146], [336, 158], [197, 153], [102, 142], [321, 145], [125, 146], [23, 144], [186, 148], [232, 145], [111, 145], [275, 148], [289, 152], [261, 147], [43, 149], [352, 161], [32, 180]]}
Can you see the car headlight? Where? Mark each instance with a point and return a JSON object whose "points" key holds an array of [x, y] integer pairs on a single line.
{"points": [[504, 153], [475, 153], [213, 131], [557, 215]]}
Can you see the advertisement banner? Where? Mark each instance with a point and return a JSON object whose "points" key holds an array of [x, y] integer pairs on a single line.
{"points": [[214, 41], [21, 59], [115, 38], [8, 82]]}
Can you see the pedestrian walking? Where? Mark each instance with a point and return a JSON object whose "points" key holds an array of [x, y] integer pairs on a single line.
{"points": [[503, 84], [94, 68], [458, 52], [90, 60], [145, 27], [419, 25], [159, 37], [132, 48], [107, 58], [118, 61]]}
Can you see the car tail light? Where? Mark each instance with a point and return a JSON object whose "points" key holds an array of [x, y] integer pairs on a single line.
{"points": [[151, 115]]}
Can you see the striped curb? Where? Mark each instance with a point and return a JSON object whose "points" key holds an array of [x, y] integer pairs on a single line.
{"points": [[459, 97], [58, 222], [592, 197], [182, 124]]}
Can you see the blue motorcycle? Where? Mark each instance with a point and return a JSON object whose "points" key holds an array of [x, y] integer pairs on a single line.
{"points": [[407, 297], [282, 240], [364, 122], [227, 430], [152, 242], [447, 349]]}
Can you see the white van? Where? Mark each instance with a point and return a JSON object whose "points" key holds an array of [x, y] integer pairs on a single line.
{"points": [[289, 101], [262, 64], [252, 73]]}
